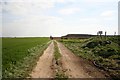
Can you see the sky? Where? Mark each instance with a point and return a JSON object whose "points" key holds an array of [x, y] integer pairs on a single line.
{"points": [[34, 18]]}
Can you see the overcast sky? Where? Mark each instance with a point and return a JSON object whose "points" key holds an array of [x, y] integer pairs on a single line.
{"points": [[58, 17]]}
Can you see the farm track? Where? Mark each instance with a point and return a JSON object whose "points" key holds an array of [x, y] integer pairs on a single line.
{"points": [[44, 67], [73, 66]]}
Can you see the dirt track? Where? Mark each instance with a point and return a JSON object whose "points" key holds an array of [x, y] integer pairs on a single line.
{"points": [[76, 67], [44, 68], [73, 66]]}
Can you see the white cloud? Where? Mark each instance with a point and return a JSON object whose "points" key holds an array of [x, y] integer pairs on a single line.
{"points": [[32, 26], [88, 1], [26, 0], [35, 21], [68, 11], [98, 1], [24, 8], [60, 1], [109, 13], [88, 19]]}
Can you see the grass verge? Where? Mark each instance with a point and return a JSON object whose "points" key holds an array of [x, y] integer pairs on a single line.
{"points": [[57, 54], [59, 72]]}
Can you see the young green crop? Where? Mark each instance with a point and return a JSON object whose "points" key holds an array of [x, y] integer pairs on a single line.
{"points": [[20, 54]]}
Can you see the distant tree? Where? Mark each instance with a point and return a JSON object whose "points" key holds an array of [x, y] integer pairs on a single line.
{"points": [[114, 33], [51, 37], [105, 34], [100, 33]]}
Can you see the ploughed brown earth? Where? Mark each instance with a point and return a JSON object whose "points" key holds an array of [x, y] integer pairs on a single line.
{"points": [[73, 66]]}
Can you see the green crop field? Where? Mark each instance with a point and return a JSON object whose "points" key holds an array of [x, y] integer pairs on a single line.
{"points": [[104, 53], [20, 54]]}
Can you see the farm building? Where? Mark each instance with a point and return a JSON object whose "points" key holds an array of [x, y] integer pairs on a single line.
{"points": [[77, 36], [55, 38]]}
